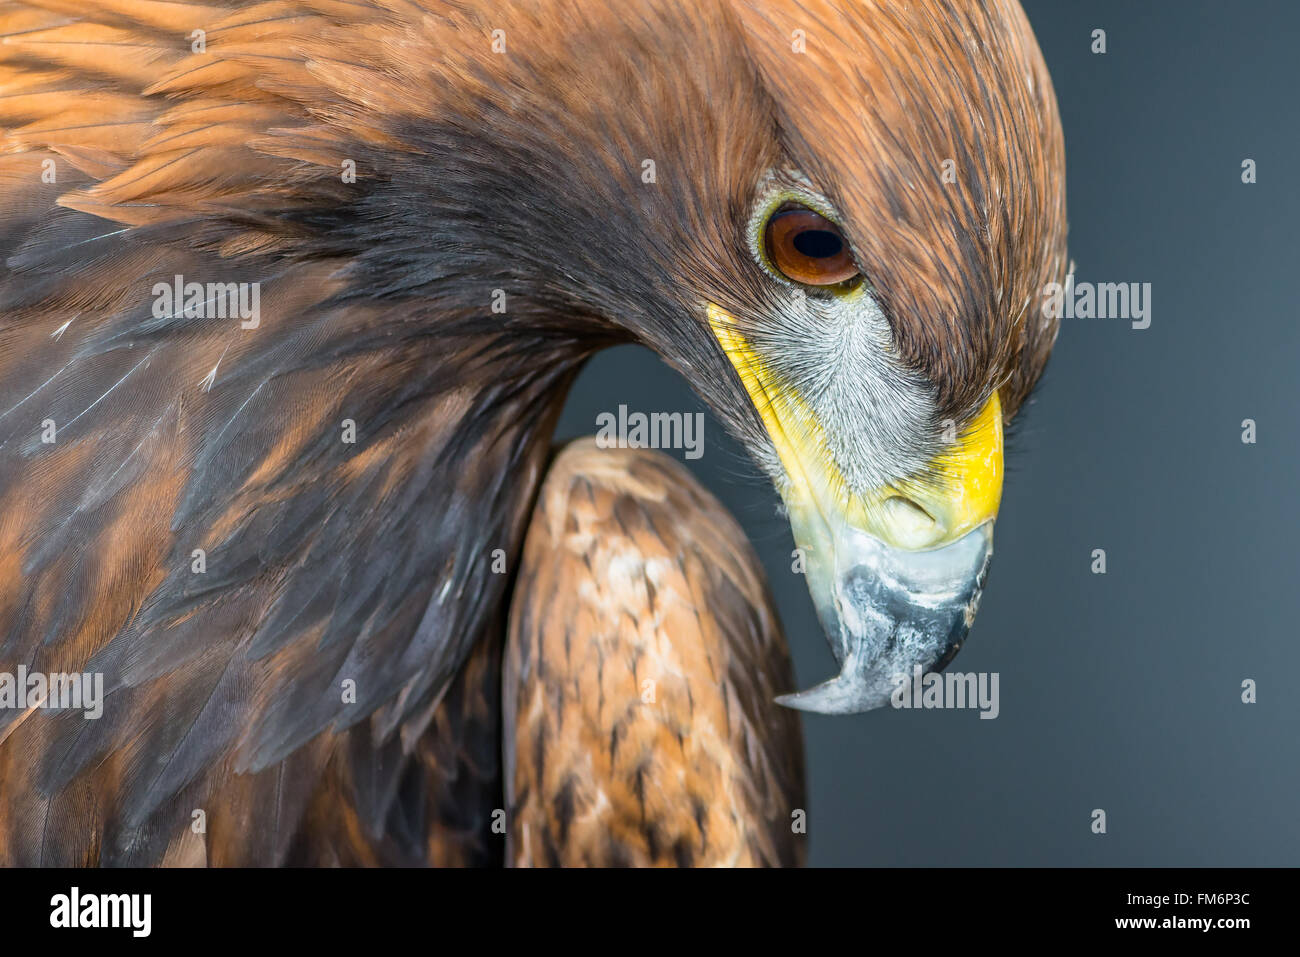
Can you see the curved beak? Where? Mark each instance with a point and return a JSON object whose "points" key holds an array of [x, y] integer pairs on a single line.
{"points": [[886, 610], [895, 573]]}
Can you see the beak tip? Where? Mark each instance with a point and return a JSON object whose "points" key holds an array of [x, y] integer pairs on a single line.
{"points": [[843, 694], [897, 612]]}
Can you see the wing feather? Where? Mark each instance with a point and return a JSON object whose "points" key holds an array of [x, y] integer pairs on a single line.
{"points": [[310, 657], [643, 656]]}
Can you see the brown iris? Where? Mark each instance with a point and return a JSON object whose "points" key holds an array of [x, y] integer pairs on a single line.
{"points": [[808, 248]]}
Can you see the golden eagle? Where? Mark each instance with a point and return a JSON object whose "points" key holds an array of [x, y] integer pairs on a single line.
{"points": [[291, 293]]}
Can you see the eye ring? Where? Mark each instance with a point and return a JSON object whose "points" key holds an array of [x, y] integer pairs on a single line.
{"points": [[806, 247]]}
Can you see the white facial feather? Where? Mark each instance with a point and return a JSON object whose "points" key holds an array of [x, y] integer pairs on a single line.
{"points": [[837, 351]]}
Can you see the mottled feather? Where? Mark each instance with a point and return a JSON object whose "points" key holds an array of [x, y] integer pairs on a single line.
{"points": [[643, 658]]}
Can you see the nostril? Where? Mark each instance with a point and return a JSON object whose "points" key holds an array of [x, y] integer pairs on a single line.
{"points": [[912, 525]]}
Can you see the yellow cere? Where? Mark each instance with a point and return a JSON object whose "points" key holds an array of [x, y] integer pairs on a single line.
{"points": [[963, 492], [972, 470]]}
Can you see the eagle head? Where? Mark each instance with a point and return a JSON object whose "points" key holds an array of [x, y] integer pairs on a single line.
{"points": [[834, 218]]}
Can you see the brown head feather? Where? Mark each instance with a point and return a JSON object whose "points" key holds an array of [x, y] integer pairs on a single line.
{"points": [[884, 95]]}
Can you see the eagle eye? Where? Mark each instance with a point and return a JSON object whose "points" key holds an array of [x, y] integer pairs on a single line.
{"points": [[808, 248]]}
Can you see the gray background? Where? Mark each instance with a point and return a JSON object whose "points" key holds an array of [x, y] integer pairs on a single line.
{"points": [[1118, 691]]}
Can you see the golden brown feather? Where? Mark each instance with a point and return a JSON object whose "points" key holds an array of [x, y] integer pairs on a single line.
{"points": [[642, 662]]}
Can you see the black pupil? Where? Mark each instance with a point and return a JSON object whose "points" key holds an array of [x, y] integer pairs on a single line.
{"points": [[818, 243]]}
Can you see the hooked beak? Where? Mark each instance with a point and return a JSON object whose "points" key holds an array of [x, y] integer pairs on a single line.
{"points": [[896, 573]]}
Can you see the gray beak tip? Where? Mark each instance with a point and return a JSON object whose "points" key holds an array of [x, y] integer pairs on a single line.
{"points": [[846, 693], [893, 612]]}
